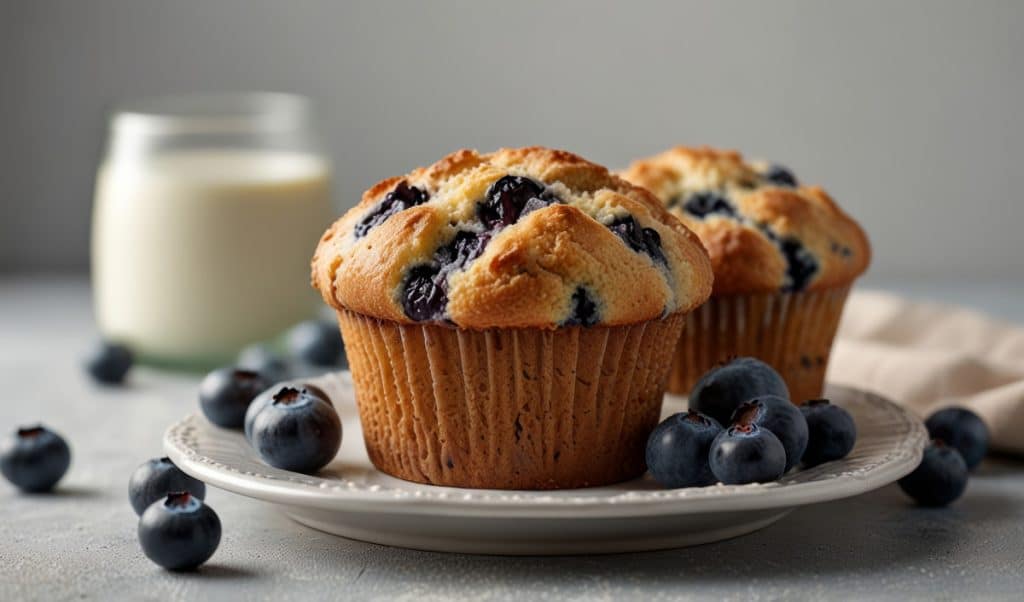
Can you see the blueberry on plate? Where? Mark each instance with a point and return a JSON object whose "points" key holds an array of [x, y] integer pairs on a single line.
{"points": [[722, 389], [297, 431], [179, 532], [225, 395], [267, 397], [677, 450], [747, 453], [962, 429], [34, 458], [940, 478], [154, 479], [782, 418], [318, 343], [263, 359], [109, 362], [831, 432]]}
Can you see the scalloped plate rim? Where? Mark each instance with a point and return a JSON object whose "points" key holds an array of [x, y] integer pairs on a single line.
{"points": [[610, 501]]}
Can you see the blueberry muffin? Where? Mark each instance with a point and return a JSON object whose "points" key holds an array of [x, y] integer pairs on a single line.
{"points": [[784, 257], [505, 317]]}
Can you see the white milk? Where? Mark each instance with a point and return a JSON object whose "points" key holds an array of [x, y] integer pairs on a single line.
{"points": [[196, 253]]}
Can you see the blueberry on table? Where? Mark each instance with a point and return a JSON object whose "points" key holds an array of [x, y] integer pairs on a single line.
{"points": [[296, 431], [939, 479], [677, 450], [179, 532], [782, 418], [109, 362], [34, 458], [747, 453], [962, 429], [318, 343], [267, 397], [225, 395], [831, 432], [154, 479], [262, 359], [722, 389]]}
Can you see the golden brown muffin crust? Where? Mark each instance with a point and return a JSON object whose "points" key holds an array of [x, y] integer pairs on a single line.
{"points": [[535, 269], [773, 237]]}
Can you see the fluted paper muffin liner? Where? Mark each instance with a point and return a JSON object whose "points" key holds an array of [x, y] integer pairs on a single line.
{"points": [[793, 332], [508, 408]]}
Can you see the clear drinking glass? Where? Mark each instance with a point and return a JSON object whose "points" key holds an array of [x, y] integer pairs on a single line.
{"points": [[207, 211]]}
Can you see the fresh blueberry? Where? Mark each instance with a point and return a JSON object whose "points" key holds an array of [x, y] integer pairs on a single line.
{"points": [[267, 397], [108, 363], [703, 204], [318, 343], [677, 450], [179, 532], [777, 174], [154, 479], [747, 453], [940, 478], [34, 458], [640, 239], [962, 429], [297, 431], [722, 389], [782, 418], [399, 199], [263, 359], [584, 309], [831, 432], [225, 395], [510, 198]]}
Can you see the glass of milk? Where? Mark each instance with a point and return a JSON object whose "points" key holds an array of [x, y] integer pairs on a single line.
{"points": [[207, 211]]}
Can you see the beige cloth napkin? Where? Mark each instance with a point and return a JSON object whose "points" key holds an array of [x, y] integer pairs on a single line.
{"points": [[929, 356]]}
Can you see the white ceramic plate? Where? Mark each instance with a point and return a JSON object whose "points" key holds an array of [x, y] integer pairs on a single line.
{"points": [[351, 498]]}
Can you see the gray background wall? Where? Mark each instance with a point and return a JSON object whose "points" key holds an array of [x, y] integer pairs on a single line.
{"points": [[909, 112]]}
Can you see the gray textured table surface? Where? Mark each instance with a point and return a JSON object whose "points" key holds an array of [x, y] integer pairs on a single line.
{"points": [[80, 543]]}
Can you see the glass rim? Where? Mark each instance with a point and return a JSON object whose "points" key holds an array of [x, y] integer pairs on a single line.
{"points": [[204, 113]]}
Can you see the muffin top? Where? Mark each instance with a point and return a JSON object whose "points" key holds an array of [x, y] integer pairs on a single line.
{"points": [[529, 237], [765, 232]]}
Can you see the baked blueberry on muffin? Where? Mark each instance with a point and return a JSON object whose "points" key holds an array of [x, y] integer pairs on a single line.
{"points": [[784, 256], [505, 317]]}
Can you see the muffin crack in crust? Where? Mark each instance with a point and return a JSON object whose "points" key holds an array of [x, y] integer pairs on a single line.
{"points": [[517, 238], [765, 231]]}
